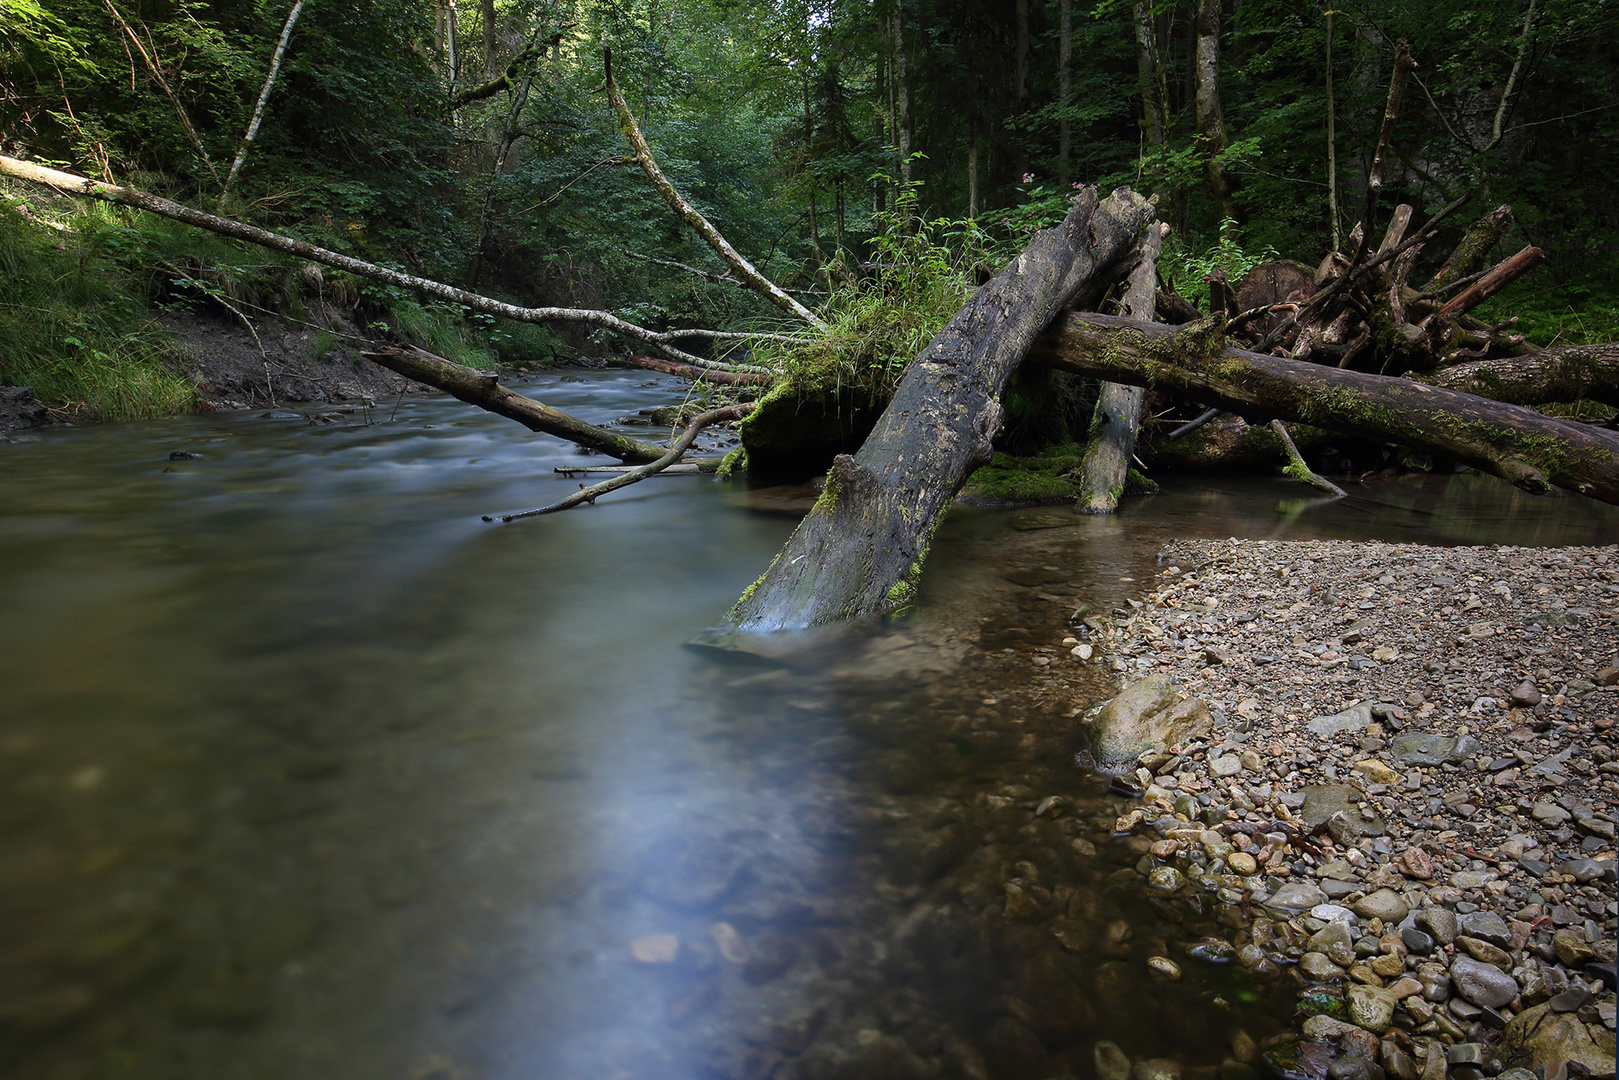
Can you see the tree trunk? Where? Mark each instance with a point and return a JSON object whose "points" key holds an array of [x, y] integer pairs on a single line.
{"points": [[902, 98], [1472, 252], [861, 548], [491, 41], [483, 389], [1536, 452], [1210, 118], [264, 95], [1149, 75], [1020, 156], [1560, 373], [972, 181], [1332, 145], [1065, 57], [1106, 464]]}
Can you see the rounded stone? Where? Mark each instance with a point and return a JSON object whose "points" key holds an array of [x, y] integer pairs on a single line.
{"points": [[1165, 879], [1371, 1007], [1163, 967], [1385, 904], [1316, 965], [1481, 983]]}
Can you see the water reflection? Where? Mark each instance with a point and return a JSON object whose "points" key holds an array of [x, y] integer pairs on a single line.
{"points": [[307, 771]]}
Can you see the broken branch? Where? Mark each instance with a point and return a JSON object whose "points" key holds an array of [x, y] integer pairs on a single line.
{"points": [[652, 468]]}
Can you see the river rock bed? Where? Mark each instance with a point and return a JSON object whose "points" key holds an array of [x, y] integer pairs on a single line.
{"points": [[1400, 760]]}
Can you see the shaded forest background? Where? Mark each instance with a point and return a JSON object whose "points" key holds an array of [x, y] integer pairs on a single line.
{"points": [[470, 142]]}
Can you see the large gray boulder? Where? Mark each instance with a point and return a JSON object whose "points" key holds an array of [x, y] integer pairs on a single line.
{"points": [[1147, 715]]}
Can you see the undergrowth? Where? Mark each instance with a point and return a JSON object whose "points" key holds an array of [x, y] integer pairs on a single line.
{"points": [[74, 326], [876, 324], [79, 283], [1183, 268]]}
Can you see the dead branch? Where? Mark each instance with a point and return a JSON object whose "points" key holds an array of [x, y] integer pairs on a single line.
{"points": [[689, 214], [1560, 373], [1536, 452], [686, 371], [72, 184], [651, 468], [1298, 469]]}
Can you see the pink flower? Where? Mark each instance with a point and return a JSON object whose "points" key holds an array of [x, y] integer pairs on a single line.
{"points": [[1028, 176]]}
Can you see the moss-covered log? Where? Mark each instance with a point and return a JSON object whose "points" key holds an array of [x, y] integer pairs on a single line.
{"points": [[860, 549], [1561, 373], [1536, 452]]}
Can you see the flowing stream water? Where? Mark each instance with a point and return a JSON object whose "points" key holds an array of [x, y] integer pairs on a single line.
{"points": [[306, 771]]}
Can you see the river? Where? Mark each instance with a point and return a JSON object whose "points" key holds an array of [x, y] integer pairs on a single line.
{"points": [[307, 771]]}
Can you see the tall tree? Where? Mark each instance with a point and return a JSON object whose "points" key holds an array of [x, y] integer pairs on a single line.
{"points": [[1211, 130]]}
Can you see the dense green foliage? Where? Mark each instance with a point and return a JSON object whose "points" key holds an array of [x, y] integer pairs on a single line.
{"points": [[780, 121]]}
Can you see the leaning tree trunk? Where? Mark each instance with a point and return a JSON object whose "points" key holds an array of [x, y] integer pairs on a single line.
{"points": [[860, 549], [1117, 418], [1536, 452]]}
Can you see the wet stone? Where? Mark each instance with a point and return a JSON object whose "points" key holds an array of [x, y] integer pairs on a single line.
{"points": [[1319, 966], [1486, 926], [1416, 941], [1416, 748], [1385, 904], [1481, 983], [1371, 1007]]}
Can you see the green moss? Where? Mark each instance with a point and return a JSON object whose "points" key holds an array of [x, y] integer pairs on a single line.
{"points": [[736, 459], [1137, 483], [1047, 479], [827, 502]]}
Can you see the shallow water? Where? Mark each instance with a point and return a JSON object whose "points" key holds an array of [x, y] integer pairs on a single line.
{"points": [[307, 771]]}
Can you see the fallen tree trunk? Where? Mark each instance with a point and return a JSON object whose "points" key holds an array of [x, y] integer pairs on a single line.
{"points": [[83, 186], [860, 549], [1536, 452], [686, 371], [1117, 418], [1560, 373], [483, 389]]}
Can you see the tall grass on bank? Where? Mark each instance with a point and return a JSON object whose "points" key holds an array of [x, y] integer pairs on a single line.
{"points": [[73, 326], [924, 271]]}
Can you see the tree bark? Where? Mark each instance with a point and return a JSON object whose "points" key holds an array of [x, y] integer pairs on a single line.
{"points": [[861, 548], [1020, 71], [1332, 143], [483, 389], [1065, 57], [71, 184], [1298, 468], [264, 95], [1210, 117], [689, 214], [1560, 373], [1473, 250], [1391, 111], [1536, 452], [1117, 418], [686, 371], [902, 98]]}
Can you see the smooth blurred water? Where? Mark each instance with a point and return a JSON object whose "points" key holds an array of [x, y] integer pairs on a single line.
{"points": [[305, 770]]}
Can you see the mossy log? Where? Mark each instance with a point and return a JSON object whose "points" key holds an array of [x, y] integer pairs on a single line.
{"points": [[1536, 452], [860, 549], [1560, 373]]}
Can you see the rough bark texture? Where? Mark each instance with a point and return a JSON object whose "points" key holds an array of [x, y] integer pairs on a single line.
{"points": [[1536, 452], [860, 550], [1473, 251], [483, 389], [689, 214], [1117, 418], [1561, 373]]}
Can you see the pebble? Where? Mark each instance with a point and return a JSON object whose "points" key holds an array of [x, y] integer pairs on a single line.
{"points": [[1441, 750], [1163, 967]]}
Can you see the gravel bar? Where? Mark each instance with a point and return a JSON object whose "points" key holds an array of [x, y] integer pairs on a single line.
{"points": [[1406, 768]]}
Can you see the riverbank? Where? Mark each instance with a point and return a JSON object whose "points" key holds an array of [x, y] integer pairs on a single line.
{"points": [[1406, 769]]}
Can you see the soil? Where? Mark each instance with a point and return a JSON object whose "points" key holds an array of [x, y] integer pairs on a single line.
{"points": [[279, 362]]}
